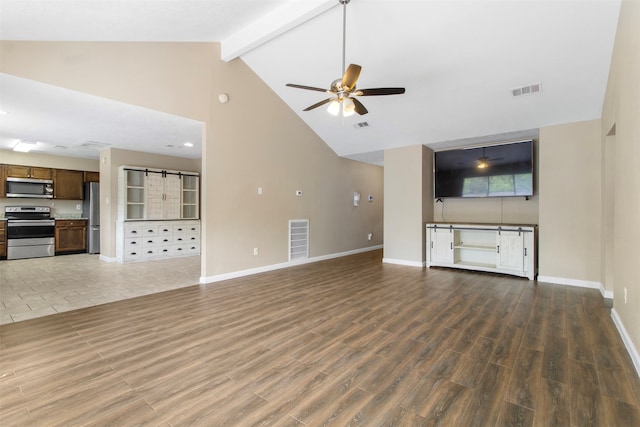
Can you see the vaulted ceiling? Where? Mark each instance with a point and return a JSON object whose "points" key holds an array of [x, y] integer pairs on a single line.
{"points": [[460, 62]]}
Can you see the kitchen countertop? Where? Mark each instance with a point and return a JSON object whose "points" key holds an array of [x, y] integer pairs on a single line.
{"points": [[3, 218], [70, 217]]}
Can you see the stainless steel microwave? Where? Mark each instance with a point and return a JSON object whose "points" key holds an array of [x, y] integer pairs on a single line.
{"points": [[30, 188]]}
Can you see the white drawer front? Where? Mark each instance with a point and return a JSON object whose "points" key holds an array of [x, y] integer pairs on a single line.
{"points": [[133, 253], [165, 240], [193, 249], [132, 230], [193, 229], [180, 230], [179, 250], [150, 252], [150, 230], [132, 244], [165, 230], [150, 241], [193, 239], [180, 239], [165, 250], [186, 249]]}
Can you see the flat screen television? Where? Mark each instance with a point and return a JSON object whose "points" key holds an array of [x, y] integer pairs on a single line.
{"points": [[502, 170]]}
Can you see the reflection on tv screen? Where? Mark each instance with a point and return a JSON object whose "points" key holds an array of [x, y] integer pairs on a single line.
{"points": [[504, 170]]}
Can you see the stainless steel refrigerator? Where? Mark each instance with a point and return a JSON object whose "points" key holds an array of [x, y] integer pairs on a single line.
{"points": [[91, 211]]}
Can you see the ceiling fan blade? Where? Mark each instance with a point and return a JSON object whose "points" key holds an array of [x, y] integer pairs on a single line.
{"points": [[380, 91], [351, 76], [360, 109], [317, 89], [318, 104]]}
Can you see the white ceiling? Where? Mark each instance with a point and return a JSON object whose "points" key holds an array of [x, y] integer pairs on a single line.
{"points": [[458, 60]]}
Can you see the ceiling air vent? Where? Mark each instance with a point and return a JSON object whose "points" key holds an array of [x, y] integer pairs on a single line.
{"points": [[95, 144], [361, 125], [529, 89]]}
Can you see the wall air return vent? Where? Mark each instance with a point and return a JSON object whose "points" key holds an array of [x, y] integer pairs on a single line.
{"points": [[298, 239], [530, 89]]}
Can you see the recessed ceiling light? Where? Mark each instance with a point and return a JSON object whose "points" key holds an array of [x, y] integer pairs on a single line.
{"points": [[24, 147], [188, 144]]}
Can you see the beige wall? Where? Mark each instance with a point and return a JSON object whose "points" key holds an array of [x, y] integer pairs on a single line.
{"points": [[48, 161], [570, 202], [499, 210], [408, 203], [622, 109], [258, 141], [170, 77], [253, 140]]}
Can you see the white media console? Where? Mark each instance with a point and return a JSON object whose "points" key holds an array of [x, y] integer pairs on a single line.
{"points": [[506, 249]]}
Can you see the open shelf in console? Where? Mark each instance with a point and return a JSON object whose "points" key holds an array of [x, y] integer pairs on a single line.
{"points": [[474, 247]]}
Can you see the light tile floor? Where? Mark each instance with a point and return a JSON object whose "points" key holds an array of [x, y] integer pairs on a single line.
{"points": [[37, 287]]}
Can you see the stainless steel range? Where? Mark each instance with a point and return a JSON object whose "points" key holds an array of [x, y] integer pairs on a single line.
{"points": [[30, 232]]}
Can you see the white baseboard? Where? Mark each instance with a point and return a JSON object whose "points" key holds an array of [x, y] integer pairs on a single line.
{"points": [[631, 349], [579, 283], [266, 268], [403, 262], [107, 259]]}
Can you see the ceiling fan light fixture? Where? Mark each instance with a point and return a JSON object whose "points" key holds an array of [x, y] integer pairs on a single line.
{"points": [[348, 107], [482, 162], [345, 87], [334, 107]]}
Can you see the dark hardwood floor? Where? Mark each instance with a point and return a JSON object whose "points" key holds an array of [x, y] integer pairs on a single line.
{"points": [[349, 341]]}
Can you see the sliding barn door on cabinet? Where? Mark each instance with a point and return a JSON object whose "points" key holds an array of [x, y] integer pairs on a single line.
{"points": [[154, 187], [510, 250], [149, 194], [441, 244], [172, 192]]}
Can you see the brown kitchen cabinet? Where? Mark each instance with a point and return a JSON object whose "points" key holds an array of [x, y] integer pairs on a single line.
{"points": [[91, 176], [68, 184], [19, 171], [71, 236], [3, 239], [3, 181]]}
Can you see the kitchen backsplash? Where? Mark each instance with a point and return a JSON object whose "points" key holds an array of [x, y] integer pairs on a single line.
{"points": [[59, 208]]}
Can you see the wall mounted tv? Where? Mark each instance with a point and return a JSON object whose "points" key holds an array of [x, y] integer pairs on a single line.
{"points": [[502, 170]]}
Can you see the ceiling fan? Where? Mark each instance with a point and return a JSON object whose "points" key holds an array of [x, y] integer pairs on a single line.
{"points": [[344, 90], [484, 161]]}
